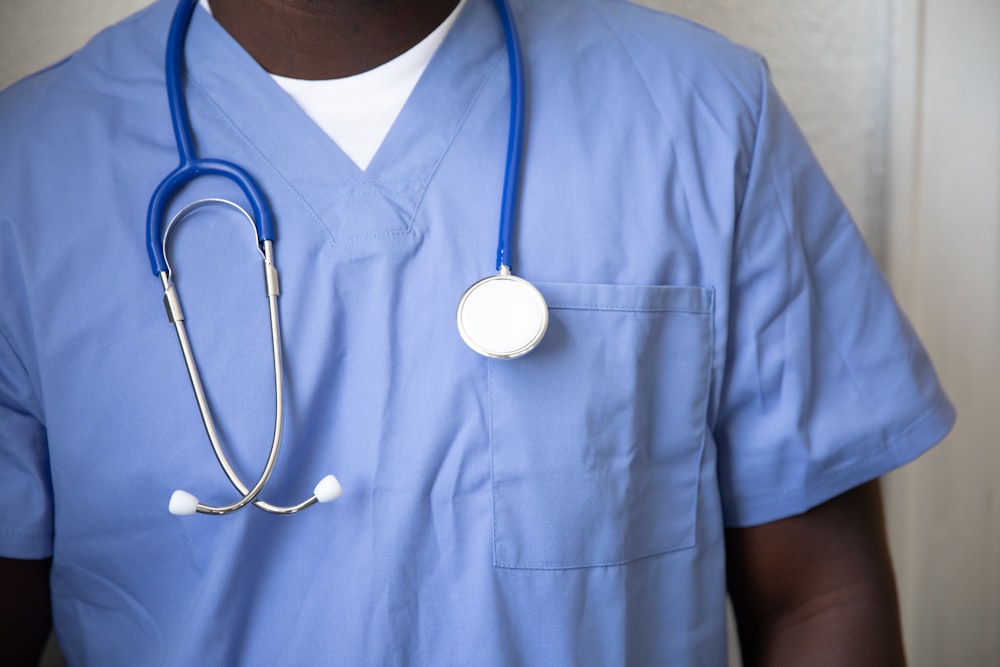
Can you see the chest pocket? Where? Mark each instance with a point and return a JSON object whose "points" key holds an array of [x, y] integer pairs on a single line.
{"points": [[597, 435]]}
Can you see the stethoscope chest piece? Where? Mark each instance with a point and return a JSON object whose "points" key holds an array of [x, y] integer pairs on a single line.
{"points": [[502, 317]]}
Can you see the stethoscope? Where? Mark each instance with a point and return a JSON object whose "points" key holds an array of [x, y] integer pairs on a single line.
{"points": [[501, 316]]}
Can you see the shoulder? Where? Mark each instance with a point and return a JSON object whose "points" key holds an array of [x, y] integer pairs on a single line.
{"points": [[670, 55], [114, 67], [62, 133]]}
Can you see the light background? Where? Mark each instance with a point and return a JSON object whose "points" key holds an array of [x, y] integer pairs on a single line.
{"points": [[901, 101]]}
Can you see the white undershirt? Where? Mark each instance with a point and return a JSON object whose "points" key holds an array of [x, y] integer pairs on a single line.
{"points": [[358, 111]]}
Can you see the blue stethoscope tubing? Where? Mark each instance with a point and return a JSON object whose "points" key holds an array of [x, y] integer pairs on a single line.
{"points": [[192, 167], [515, 138]]}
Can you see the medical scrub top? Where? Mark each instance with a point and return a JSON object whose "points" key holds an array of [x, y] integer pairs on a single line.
{"points": [[722, 352]]}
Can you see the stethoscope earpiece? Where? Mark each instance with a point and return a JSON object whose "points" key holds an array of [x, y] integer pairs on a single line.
{"points": [[328, 489], [183, 503]]}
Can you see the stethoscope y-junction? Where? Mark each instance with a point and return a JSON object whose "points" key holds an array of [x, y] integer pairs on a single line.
{"points": [[501, 316]]}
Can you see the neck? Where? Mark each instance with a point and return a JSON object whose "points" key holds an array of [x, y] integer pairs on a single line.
{"points": [[328, 39]]}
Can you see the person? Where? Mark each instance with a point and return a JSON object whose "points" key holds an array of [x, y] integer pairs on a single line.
{"points": [[724, 378]]}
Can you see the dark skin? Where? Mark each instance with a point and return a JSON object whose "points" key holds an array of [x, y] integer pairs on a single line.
{"points": [[815, 589], [26, 619], [328, 39]]}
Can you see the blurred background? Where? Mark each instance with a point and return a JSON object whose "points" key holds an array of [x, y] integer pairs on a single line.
{"points": [[901, 102]]}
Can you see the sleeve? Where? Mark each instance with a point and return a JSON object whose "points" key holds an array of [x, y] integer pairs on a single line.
{"points": [[825, 384], [25, 484]]}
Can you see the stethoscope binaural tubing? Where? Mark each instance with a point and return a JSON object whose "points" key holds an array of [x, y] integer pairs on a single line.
{"points": [[192, 167]]}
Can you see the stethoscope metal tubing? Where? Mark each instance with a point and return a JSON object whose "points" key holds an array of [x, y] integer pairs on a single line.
{"points": [[175, 314], [172, 299]]}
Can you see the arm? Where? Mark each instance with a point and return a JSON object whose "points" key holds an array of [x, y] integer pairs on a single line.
{"points": [[817, 589], [26, 612]]}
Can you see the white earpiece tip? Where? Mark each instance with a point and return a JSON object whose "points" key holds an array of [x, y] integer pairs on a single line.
{"points": [[183, 503], [328, 489]]}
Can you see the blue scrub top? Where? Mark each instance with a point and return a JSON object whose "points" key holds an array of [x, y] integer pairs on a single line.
{"points": [[722, 352]]}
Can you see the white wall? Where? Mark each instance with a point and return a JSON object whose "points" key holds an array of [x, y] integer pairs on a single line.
{"points": [[945, 261], [901, 101], [37, 33]]}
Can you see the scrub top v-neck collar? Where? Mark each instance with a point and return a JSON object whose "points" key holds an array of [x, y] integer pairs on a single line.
{"points": [[286, 144]]}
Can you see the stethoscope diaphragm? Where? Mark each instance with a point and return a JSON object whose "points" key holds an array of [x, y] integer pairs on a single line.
{"points": [[502, 316]]}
